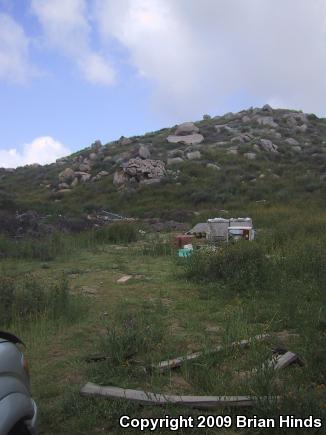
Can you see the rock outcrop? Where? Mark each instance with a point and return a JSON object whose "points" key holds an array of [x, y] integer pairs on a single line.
{"points": [[139, 171]]}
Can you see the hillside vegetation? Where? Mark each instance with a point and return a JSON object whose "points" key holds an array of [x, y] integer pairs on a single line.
{"points": [[255, 155]]}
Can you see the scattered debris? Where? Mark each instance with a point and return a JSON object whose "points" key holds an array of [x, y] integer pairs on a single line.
{"points": [[288, 358], [144, 397]]}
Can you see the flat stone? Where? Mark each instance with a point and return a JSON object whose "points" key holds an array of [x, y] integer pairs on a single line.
{"points": [[174, 161], [191, 139], [124, 279]]}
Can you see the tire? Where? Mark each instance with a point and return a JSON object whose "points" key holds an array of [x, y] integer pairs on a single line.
{"points": [[19, 429]]}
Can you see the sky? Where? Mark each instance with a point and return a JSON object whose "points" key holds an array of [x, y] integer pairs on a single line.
{"points": [[74, 71]]}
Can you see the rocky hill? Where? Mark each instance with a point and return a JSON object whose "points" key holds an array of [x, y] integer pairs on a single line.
{"points": [[256, 155]]}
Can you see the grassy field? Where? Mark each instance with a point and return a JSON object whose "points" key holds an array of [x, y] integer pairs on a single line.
{"points": [[168, 308]]}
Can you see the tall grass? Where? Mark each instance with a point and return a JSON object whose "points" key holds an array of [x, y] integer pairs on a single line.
{"points": [[54, 245], [241, 265], [28, 297]]}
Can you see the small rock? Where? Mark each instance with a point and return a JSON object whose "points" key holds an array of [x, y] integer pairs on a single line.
{"points": [[103, 173], [267, 108], [194, 155], [291, 141], [250, 156], [174, 161], [63, 186], [213, 166], [297, 149]]}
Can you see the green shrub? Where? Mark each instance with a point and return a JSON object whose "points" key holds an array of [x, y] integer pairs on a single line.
{"points": [[241, 265]]}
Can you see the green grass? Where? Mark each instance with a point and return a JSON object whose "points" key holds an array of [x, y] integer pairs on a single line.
{"points": [[171, 307]]}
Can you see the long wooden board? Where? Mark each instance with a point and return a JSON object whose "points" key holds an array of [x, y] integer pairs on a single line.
{"points": [[148, 398], [177, 362]]}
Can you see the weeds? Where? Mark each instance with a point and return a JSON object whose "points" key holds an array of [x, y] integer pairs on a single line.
{"points": [[28, 298]]}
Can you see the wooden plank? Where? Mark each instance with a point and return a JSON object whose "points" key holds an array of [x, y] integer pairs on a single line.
{"points": [[177, 362], [147, 398]]}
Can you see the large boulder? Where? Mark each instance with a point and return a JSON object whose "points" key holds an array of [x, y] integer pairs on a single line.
{"points": [[66, 175], [84, 167], [83, 176], [120, 178], [191, 139], [267, 108], [93, 157], [268, 145], [144, 152], [266, 121], [186, 128], [301, 128]]}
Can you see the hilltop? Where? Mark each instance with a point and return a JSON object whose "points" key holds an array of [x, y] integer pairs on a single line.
{"points": [[255, 155]]}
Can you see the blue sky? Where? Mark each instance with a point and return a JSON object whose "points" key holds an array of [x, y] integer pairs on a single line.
{"points": [[72, 71]]}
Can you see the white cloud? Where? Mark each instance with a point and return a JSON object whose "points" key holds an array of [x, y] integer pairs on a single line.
{"points": [[67, 29], [14, 51], [199, 54], [41, 150]]}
